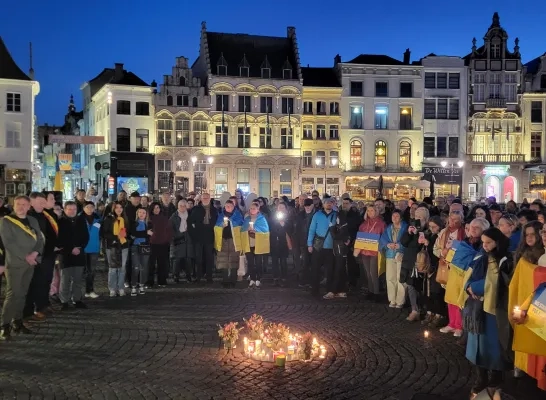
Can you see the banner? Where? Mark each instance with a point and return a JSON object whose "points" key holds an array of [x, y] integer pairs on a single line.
{"points": [[536, 316], [65, 162], [367, 241], [72, 139]]}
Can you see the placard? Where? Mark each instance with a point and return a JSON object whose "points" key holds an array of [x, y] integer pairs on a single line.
{"points": [[367, 241], [536, 315]]}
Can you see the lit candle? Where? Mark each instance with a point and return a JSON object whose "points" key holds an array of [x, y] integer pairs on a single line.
{"points": [[251, 347], [280, 361], [427, 333], [291, 349], [251, 225], [226, 220], [517, 312], [258, 344], [322, 352]]}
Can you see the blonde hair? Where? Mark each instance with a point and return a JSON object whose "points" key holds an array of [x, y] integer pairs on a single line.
{"points": [[426, 213]]}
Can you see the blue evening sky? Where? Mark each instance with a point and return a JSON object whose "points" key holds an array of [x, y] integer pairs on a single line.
{"points": [[74, 40]]}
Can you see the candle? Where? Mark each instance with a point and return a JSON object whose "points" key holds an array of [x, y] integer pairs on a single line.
{"points": [[280, 361], [291, 349], [226, 221], [251, 225], [251, 347], [517, 312], [427, 333], [275, 355], [258, 344]]}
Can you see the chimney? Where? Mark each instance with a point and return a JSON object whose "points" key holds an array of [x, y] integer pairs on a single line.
{"points": [[118, 71], [290, 32], [407, 55], [337, 60]]}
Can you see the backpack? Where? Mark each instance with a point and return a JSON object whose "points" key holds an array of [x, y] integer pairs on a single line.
{"points": [[422, 262]]}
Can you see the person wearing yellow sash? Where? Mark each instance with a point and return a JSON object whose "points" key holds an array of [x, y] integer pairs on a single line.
{"points": [[23, 242], [255, 243], [114, 230]]}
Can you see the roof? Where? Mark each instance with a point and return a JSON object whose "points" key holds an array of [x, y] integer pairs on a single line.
{"points": [[320, 77], [375, 59], [108, 76], [533, 66], [8, 68], [235, 48]]}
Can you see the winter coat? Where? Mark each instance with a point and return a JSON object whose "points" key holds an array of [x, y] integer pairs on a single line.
{"points": [[372, 225], [181, 242], [162, 230], [320, 226], [198, 230], [93, 228], [278, 237], [302, 221], [73, 234], [107, 232], [412, 247], [139, 232], [387, 238]]}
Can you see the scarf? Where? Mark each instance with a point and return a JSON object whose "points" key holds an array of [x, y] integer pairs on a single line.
{"points": [[52, 222], [17, 221], [119, 225], [206, 220], [183, 221]]}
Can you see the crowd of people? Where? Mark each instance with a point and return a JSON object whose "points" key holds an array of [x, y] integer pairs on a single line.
{"points": [[50, 253]]}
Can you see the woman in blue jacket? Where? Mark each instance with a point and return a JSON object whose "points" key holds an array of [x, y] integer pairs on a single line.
{"points": [[92, 249], [390, 246]]}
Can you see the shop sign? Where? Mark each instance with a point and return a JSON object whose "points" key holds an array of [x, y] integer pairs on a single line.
{"points": [[498, 170], [443, 175], [111, 185]]}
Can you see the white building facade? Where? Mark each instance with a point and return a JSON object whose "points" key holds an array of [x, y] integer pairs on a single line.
{"points": [[17, 127]]}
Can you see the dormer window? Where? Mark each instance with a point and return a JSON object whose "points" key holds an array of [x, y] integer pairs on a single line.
{"points": [[495, 50], [221, 66], [244, 68], [287, 70], [182, 81], [266, 69]]}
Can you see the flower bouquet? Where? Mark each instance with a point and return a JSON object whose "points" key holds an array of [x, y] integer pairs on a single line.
{"points": [[229, 333], [255, 326], [306, 346], [279, 335]]}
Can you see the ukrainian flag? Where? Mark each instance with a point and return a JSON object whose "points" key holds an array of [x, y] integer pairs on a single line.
{"points": [[58, 184], [236, 221], [261, 239], [460, 257]]}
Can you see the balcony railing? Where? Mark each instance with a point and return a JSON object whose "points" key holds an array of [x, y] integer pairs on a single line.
{"points": [[497, 158], [375, 168], [495, 103]]}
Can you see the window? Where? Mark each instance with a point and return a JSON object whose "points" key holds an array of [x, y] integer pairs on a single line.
{"points": [[222, 102], [222, 70], [381, 89], [13, 136], [357, 89], [285, 182], [243, 179], [266, 104], [478, 92], [287, 74], [178, 100], [536, 145], [453, 108], [356, 117], [308, 131], [543, 81], [454, 80], [334, 132], [320, 160], [182, 132], [11, 189], [441, 80], [265, 138], [380, 155], [321, 107], [536, 111], [200, 132], [13, 102], [404, 153], [441, 147], [430, 80], [321, 132], [334, 158], [405, 118], [510, 87], [182, 81], [123, 139], [406, 89], [356, 154], [185, 101], [266, 73], [221, 181], [164, 132], [169, 100], [142, 140], [244, 72], [221, 137], [495, 50], [453, 147], [429, 147], [124, 107], [381, 117], [244, 103], [307, 158], [495, 86], [243, 137], [142, 108], [307, 107], [288, 105], [286, 138], [334, 108], [195, 102], [441, 109], [264, 182]]}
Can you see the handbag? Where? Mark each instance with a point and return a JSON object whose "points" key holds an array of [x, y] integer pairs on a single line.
{"points": [[422, 262], [318, 241], [144, 249], [340, 248]]}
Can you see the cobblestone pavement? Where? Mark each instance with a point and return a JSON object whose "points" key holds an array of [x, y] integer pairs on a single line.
{"points": [[164, 345]]}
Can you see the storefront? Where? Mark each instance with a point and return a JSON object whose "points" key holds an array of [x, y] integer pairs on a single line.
{"points": [[537, 183], [500, 181], [447, 181], [395, 187], [310, 183]]}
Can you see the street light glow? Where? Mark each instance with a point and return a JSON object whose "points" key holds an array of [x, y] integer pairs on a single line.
{"points": [[194, 159], [444, 164], [460, 163], [317, 161], [210, 159]]}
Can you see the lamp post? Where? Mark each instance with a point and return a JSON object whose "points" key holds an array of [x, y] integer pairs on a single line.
{"points": [[444, 164]]}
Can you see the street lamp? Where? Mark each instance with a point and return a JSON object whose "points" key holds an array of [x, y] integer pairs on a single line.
{"points": [[210, 159], [444, 164], [193, 160]]}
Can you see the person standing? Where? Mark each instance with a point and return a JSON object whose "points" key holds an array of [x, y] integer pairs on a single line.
{"points": [[201, 223], [373, 224], [23, 242], [302, 257], [393, 249], [141, 231], [131, 212], [159, 241], [114, 230], [227, 236], [181, 246], [167, 207], [255, 243], [93, 223], [73, 238], [280, 231]]}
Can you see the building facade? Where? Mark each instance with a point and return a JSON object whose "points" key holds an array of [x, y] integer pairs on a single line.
{"points": [[381, 128], [321, 127], [497, 147], [118, 106], [182, 131], [254, 125], [444, 123], [18, 155]]}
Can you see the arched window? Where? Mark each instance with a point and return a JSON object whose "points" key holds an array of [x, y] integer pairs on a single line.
{"points": [[380, 155], [356, 154], [182, 81], [169, 100], [404, 153]]}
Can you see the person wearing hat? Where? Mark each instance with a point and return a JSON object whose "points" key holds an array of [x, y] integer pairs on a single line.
{"points": [[495, 212]]}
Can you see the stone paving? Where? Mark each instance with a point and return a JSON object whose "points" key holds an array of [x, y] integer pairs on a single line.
{"points": [[164, 345]]}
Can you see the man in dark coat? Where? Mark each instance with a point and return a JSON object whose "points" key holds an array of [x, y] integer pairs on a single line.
{"points": [[201, 229], [130, 211], [302, 257], [73, 237]]}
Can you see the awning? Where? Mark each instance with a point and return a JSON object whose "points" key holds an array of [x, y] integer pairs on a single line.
{"points": [[375, 185], [419, 184]]}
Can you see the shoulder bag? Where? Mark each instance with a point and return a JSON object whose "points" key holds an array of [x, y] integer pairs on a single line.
{"points": [[318, 241]]}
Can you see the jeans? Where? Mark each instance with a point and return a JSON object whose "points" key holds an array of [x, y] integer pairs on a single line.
{"points": [[255, 264], [90, 266], [71, 284], [370, 267], [319, 258], [140, 267], [116, 276], [413, 295], [336, 275], [395, 290], [158, 262], [282, 272], [182, 264], [204, 260], [302, 263]]}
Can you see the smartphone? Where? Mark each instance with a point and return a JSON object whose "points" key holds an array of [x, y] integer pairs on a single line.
{"points": [[416, 223], [421, 235]]}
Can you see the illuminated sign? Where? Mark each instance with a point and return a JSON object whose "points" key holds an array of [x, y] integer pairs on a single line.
{"points": [[500, 170]]}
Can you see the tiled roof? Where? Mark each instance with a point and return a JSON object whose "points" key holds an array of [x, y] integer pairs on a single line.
{"points": [[375, 59], [533, 65], [320, 77], [8, 68], [235, 48], [107, 76]]}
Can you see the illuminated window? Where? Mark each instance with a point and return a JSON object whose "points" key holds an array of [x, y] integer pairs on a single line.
{"points": [[381, 117], [405, 118], [356, 154], [356, 117], [380, 154], [404, 152]]}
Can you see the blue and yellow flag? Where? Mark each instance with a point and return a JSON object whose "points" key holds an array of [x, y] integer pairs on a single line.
{"points": [[460, 256], [261, 237], [236, 222]]}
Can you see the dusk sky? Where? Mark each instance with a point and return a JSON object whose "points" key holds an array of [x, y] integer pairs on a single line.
{"points": [[73, 41]]}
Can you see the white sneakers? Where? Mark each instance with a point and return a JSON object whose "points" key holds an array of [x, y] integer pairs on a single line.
{"points": [[328, 296], [122, 292], [134, 292], [112, 293], [449, 329], [91, 295], [254, 283]]}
